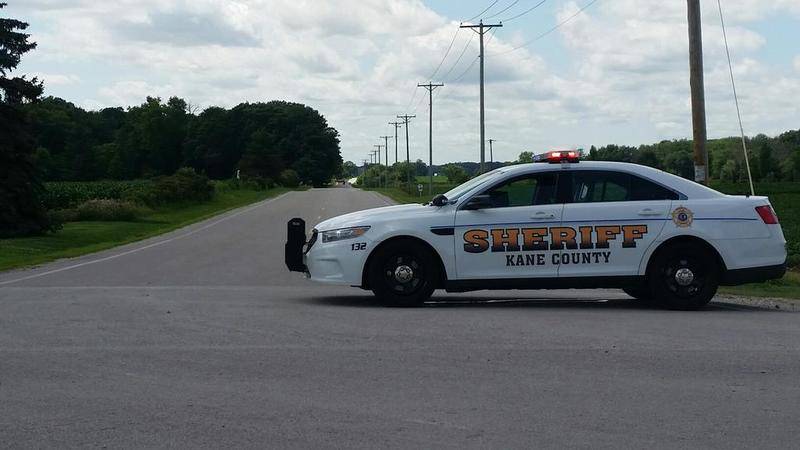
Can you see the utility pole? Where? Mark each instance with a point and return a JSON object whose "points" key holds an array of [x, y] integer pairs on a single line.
{"points": [[491, 154], [386, 148], [396, 124], [430, 87], [481, 30], [378, 146], [405, 118], [386, 152], [698, 92]]}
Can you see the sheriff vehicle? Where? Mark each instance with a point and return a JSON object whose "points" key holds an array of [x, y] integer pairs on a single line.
{"points": [[556, 223]]}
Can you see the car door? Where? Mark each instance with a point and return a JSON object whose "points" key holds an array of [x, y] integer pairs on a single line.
{"points": [[508, 238], [615, 216]]}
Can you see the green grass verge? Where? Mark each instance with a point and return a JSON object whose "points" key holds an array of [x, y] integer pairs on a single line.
{"points": [[424, 179], [786, 287], [80, 238]]}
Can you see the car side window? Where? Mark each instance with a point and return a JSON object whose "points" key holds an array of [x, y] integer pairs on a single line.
{"points": [[642, 189], [528, 190], [592, 186]]}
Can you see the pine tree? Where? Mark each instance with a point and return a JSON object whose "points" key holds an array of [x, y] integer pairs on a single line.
{"points": [[21, 210]]}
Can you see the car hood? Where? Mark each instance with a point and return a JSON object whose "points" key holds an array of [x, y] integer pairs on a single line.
{"points": [[371, 216]]}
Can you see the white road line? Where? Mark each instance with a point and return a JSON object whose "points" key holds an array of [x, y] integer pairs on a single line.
{"points": [[136, 250]]}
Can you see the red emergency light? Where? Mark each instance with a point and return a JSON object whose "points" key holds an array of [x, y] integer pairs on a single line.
{"points": [[559, 156]]}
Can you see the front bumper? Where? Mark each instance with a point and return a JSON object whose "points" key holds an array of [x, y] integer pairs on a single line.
{"points": [[295, 244]]}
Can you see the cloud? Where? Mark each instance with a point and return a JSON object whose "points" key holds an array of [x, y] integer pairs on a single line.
{"points": [[358, 62], [56, 79]]}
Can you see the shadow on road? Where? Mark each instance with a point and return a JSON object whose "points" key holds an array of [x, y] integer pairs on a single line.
{"points": [[456, 301]]}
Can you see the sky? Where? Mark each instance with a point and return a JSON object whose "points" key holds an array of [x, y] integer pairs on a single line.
{"points": [[592, 73]]}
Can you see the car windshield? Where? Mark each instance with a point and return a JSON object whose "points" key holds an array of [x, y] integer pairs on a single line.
{"points": [[461, 189]]}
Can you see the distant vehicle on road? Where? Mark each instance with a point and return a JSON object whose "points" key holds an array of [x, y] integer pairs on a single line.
{"points": [[556, 223]]}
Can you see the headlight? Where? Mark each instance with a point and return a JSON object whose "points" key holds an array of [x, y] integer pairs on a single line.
{"points": [[343, 233]]}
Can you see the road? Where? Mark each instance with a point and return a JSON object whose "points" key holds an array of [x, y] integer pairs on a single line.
{"points": [[201, 339]]}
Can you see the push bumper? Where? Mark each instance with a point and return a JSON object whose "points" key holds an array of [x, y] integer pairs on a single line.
{"points": [[736, 277], [295, 243]]}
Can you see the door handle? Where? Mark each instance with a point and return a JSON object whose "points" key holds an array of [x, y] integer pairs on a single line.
{"points": [[649, 212], [543, 215]]}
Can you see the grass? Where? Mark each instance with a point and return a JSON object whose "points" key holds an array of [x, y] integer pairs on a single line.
{"points": [[786, 287], [80, 238], [423, 179]]}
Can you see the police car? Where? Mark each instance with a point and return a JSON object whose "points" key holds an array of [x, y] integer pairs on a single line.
{"points": [[556, 223]]}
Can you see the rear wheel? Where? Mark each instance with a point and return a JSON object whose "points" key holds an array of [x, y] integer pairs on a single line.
{"points": [[684, 276], [403, 273]]}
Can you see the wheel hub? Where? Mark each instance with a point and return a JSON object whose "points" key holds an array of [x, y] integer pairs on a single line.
{"points": [[403, 274], [684, 276]]}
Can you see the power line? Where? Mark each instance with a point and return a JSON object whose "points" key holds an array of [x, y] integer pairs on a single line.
{"points": [[467, 70], [559, 25], [459, 56], [736, 99], [482, 12], [449, 47], [502, 10], [524, 12]]}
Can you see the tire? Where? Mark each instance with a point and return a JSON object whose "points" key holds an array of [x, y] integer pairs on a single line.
{"points": [[641, 293], [403, 273], [684, 276]]}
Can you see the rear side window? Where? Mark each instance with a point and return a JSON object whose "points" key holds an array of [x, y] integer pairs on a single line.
{"points": [[593, 186]]}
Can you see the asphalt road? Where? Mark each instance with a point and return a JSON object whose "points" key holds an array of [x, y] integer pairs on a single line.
{"points": [[201, 338]]}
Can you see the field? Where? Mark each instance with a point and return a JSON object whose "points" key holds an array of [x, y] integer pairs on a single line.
{"points": [[784, 196], [80, 238]]}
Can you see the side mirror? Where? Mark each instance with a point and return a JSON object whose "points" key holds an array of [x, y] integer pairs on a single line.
{"points": [[439, 200], [478, 202]]}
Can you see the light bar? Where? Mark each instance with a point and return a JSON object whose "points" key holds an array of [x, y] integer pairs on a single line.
{"points": [[558, 156]]}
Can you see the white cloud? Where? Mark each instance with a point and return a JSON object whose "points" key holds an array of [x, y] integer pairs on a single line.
{"points": [[358, 62]]}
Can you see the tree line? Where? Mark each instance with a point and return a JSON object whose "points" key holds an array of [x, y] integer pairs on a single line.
{"points": [[260, 140], [771, 158]]}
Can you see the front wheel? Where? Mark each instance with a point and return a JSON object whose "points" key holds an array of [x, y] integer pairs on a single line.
{"points": [[684, 276], [403, 273]]}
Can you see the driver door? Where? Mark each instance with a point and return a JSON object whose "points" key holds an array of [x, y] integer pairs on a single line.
{"points": [[508, 238]]}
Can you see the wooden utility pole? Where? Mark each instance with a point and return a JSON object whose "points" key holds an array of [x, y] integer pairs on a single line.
{"points": [[396, 124], [430, 87], [698, 92], [481, 30], [378, 151], [406, 118]]}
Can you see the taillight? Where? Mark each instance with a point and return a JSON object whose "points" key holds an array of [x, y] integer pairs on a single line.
{"points": [[767, 214]]}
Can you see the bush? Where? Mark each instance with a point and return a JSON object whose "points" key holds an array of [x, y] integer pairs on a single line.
{"points": [[289, 178], [184, 185], [69, 194], [104, 210]]}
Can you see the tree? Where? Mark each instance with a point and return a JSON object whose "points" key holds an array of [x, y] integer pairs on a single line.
{"points": [[349, 169], [262, 158], [525, 157], [647, 157], [21, 210], [455, 174]]}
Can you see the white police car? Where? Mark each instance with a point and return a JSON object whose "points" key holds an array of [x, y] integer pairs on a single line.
{"points": [[566, 224]]}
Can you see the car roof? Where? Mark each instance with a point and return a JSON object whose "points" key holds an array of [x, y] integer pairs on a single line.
{"points": [[686, 187]]}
